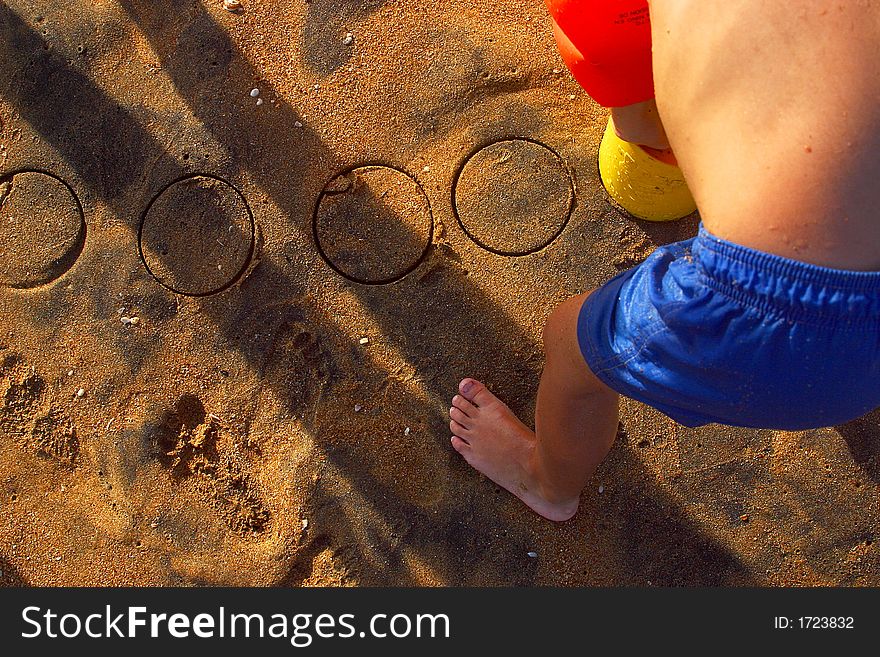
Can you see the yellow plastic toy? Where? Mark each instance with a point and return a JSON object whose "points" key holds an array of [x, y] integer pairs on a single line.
{"points": [[642, 185]]}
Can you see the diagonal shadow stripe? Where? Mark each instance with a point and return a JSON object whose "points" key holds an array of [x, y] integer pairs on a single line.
{"points": [[862, 436], [323, 47], [9, 575], [100, 138]]}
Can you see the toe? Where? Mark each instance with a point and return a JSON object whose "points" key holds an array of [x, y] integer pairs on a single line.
{"points": [[459, 445], [464, 406], [458, 429], [460, 417], [475, 392]]}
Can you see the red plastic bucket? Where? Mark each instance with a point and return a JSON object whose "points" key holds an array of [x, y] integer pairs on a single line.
{"points": [[606, 45]]}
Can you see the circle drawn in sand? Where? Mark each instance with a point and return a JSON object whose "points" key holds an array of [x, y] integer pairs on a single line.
{"points": [[197, 236], [42, 229], [513, 197], [373, 224]]}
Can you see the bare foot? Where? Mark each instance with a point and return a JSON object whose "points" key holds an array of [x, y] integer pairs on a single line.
{"points": [[493, 440]]}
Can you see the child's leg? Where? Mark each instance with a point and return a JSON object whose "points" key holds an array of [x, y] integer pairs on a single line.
{"points": [[576, 421], [640, 124]]}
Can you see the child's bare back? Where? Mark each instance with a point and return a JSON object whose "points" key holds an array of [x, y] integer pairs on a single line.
{"points": [[773, 111]]}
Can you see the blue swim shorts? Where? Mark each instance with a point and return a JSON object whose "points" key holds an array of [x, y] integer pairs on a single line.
{"points": [[706, 330]]}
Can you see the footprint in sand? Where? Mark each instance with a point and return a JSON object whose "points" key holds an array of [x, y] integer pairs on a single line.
{"points": [[27, 414], [198, 447], [298, 369]]}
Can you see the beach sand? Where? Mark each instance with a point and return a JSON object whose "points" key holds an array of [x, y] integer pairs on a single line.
{"points": [[245, 259]]}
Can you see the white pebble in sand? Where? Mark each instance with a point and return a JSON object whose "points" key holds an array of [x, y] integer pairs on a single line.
{"points": [[80, 392], [364, 340], [135, 321], [532, 554], [358, 408], [297, 124], [348, 40], [259, 101], [255, 93]]}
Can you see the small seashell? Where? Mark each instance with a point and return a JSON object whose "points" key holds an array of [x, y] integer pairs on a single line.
{"points": [[532, 554], [232, 5], [134, 321], [255, 93], [125, 320], [407, 431], [259, 101], [348, 40]]}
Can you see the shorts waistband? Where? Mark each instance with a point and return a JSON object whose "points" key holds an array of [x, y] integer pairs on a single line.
{"points": [[794, 290]]}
